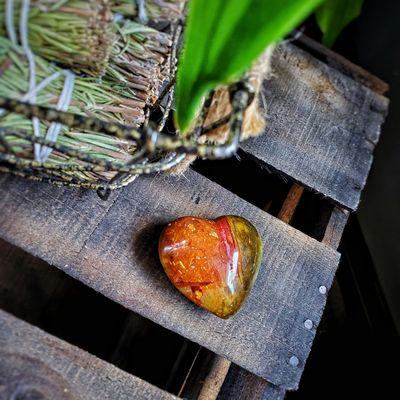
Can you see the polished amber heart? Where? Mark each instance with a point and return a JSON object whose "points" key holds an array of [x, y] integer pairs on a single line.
{"points": [[212, 262]]}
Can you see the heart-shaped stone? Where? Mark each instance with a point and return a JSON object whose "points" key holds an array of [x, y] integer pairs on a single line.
{"points": [[212, 262]]}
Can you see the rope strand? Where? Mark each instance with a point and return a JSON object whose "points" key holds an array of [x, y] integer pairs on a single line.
{"points": [[41, 153]]}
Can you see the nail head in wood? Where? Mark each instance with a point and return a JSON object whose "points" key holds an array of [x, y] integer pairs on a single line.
{"points": [[294, 361], [308, 324]]}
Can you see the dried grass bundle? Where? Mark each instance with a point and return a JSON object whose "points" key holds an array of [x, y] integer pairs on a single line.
{"points": [[130, 59], [136, 63], [155, 10], [75, 33], [89, 98]]}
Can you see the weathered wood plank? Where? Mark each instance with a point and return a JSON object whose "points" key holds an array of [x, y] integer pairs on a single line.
{"points": [[239, 384], [322, 126], [291, 202], [46, 297], [342, 64], [242, 385], [37, 365], [112, 248], [215, 379], [335, 228]]}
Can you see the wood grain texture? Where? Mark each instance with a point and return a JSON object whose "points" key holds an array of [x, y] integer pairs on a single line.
{"points": [[215, 379], [290, 204], [242, 385], [112, 247], [322, 126], [34, 363], [335, 228], [343, 65], [236, 382]]}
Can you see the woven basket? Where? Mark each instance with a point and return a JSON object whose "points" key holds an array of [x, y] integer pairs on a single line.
{"points": [[155, 149]]}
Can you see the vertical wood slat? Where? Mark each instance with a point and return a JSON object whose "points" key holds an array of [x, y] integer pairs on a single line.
{"points": [[241, 384], [238, 383], [291, 202], [214, 379], [336, 225], [221, 367]]}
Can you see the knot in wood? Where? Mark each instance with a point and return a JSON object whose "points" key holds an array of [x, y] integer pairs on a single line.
{"points": [[26, 378]]}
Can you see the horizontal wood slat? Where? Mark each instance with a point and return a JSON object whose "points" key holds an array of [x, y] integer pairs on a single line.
{"points": [[34, 364], [112, 247], [322, 126], [342, 64]]}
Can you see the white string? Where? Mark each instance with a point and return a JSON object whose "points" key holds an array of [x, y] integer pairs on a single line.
{"points": [[10, 21], [41, 152], [10, 28], [142, 14], [23, 32], [62, 105]]}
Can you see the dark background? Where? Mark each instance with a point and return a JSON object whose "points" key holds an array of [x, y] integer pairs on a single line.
{"points": [[373, 42], [356, 350]]}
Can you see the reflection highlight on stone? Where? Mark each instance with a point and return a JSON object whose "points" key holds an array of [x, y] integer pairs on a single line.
{"points": [[212, 262]]}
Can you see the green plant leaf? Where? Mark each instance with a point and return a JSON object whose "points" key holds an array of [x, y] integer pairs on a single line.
{"points": [[333, 15], [222, 39]]}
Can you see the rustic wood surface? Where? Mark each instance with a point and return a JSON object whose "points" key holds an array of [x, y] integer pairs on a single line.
{"points": [[235, 380], [111, 246], [34, 364], [322, 126], [47, 298], [290, 204], [335, 228], [215, 379], [241, 384], [342, 64]]}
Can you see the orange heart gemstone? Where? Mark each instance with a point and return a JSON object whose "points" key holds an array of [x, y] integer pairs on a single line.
{"points": [[212, 262]]}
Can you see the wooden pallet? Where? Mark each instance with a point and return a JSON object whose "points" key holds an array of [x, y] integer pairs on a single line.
{"points": [[36, 364], [323, 126]]}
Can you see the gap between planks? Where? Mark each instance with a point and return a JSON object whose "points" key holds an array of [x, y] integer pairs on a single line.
{"points": [[216, 376]]}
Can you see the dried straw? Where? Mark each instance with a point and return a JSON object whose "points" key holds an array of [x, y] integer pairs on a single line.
{"points": [[89, 98], [74, 33], [136, 63], [130, 57], [156, 10]]}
